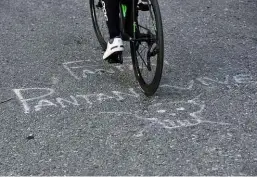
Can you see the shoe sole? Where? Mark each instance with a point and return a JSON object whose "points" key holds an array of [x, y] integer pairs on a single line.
{"points": [[116, 57]]}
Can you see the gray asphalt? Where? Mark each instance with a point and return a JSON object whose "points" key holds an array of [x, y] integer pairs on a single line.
{"points": [[64, 111]]}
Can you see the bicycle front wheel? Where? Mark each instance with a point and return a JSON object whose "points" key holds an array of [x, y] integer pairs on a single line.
{"points": [[99, 22], [147, 50]]}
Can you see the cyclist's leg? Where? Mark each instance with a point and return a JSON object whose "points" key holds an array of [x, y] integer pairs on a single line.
{"points": [[115, 44], [111, 10]]}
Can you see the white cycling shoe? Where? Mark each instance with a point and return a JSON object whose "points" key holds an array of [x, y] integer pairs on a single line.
{"points": [[114, 45]]}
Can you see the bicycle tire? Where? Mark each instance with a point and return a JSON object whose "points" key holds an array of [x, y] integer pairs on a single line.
{"points": [[97, 30], [150, 88]]}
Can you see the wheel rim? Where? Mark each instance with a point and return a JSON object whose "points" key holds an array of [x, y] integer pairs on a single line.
{"points": [[147, 64], [100, 22]]}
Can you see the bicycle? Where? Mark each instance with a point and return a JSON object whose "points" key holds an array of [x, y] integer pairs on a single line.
{"points": [[141, 39]]}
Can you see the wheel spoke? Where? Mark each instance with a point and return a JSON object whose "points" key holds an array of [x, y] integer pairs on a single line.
{"points": [[149, 52], [143, 61]]}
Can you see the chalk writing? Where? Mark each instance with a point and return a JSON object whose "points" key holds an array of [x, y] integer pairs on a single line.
{"points": [[244, 79], [85, 68], [240, 79], [163, 113], [47, 98], [20, 94], [171, 115], [188, 87], [209, 81]]}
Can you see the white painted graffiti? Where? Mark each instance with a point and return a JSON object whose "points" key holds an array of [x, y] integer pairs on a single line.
{"points": [[237, 80], [82, 69], [45, 97], [85, 68], [165, 114], [171, 115]]}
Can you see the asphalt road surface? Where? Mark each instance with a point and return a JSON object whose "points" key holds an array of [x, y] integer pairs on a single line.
{"points": [[64, 111]]}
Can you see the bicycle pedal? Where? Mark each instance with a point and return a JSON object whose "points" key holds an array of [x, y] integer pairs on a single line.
{"points": [[115, 58]]}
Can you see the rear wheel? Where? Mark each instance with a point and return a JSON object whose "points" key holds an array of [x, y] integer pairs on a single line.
{"points": [[99, 22], [147, 51]]}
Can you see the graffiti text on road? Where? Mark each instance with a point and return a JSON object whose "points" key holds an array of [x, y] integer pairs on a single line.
{"points": [[44, 97]]}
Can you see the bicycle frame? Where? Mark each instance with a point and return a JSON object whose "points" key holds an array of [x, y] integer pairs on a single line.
{"points": [[123, 7], [133, 29]]}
